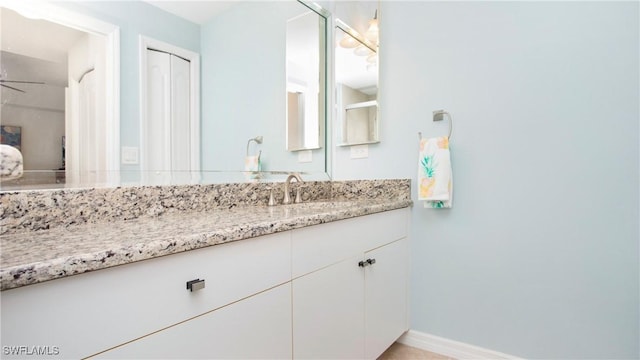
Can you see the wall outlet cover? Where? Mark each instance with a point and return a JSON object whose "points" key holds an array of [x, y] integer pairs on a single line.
{"points": [[129, 155], [305, 156], [360, 151]]}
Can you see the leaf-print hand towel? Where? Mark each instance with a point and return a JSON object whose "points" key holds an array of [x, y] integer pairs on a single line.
{"points": [[435, 185]]}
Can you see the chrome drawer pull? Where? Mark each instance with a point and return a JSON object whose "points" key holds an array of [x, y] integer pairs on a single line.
{"points": [[196, 284]]}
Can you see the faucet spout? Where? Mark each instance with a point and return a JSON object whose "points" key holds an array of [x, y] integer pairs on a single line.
{"points": [[287, 184]]}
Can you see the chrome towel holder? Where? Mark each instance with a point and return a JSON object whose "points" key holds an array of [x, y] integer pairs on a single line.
{"points": [[438, 115]]}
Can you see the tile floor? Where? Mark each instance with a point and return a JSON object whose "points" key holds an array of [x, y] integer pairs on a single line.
{"points": [[399, 351]]}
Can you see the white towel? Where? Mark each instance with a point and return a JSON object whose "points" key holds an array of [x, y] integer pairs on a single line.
{"points": [[253, 167], [252, 163], [435, 181]]}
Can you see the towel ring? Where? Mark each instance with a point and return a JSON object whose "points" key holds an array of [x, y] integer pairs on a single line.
{"points": [[438, 115]]}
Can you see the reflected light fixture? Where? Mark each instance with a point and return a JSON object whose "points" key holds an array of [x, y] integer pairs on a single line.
{"points": [[348, 42], [374, 30], [363, 51]]}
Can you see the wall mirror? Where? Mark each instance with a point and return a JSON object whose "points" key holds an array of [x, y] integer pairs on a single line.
{"points": [[243, 89], [356, 81]]}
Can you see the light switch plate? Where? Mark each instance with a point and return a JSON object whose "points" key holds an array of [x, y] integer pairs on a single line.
{"points": [[359, 151], [129, 155], [305, 156]]}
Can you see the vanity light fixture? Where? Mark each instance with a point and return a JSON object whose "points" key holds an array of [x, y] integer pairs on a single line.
{"points": [[367, 45], [374, 30], [349, 42], [363, 51]]}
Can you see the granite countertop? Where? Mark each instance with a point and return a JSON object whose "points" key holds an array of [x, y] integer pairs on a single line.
{"points": [[31, 257]]}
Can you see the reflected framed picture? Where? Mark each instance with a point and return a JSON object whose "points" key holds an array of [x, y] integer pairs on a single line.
{"points": [[11, 135]]}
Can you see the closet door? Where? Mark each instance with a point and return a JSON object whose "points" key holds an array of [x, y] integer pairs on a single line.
{"points": [[180, 114], [157, 150], [168, 129]]}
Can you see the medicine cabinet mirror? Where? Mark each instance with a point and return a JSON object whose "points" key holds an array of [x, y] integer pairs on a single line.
{"points": [[356, 81], [306, 79]]}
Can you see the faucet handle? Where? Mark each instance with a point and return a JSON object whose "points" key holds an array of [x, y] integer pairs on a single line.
{"points": [[287, 198], [298, 199], [272, 201]]}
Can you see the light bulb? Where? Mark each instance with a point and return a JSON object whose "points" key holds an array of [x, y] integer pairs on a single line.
{"points": [[362, 51], [348, 42], [373, 31]]}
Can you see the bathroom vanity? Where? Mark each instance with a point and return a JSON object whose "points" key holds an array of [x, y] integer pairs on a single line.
{"points": [[323, 279]]}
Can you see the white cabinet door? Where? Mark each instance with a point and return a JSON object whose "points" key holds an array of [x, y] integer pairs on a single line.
{"points": [[328, 313], [386, 296], [258, 327]]}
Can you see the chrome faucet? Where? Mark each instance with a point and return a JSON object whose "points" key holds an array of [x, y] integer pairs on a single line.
{"points": [[287, 184]]}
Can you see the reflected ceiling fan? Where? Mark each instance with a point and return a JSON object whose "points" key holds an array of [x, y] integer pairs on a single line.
{"points": [[3, 84]]}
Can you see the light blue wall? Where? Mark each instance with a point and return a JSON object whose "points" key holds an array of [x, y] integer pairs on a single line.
{"points": [[136, 18], [539, 256], [244, 87]]}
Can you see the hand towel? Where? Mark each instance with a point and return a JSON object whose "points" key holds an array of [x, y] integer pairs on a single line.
{"points": [[435, 182], [252, 163], [253, 167]]}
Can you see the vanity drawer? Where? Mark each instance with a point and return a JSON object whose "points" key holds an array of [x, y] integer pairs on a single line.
{"points": [[316, 247], [92, 312]]}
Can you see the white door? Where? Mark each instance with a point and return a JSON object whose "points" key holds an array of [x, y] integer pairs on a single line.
{"points": [[85, 133], [167, 137], [90, 157]]}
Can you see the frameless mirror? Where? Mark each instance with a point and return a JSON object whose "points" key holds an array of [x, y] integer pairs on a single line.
{"points": [[243, 87], [356, 79]]}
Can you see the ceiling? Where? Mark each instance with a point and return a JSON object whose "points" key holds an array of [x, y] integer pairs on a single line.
{"points": [[34, 50], [39, 39]]}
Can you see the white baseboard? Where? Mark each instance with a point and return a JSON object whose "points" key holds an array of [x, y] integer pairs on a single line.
{"points": [[451, 348]]}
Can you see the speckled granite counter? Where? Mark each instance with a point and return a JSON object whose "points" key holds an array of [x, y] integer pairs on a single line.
{"points": [[33, 256]]}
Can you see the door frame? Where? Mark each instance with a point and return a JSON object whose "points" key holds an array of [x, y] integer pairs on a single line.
{"points": [[194, 101]]}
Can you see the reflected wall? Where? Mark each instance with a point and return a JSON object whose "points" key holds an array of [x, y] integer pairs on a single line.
{"points": [[246, 47]]}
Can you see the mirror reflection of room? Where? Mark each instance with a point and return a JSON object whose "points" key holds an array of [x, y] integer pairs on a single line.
{"points": [[53, 82], [304, 44], [234, 107], [356, 69]]}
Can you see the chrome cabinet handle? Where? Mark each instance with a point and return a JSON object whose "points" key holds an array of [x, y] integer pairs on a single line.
{"points": [[195, 285], [367, 262]]}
